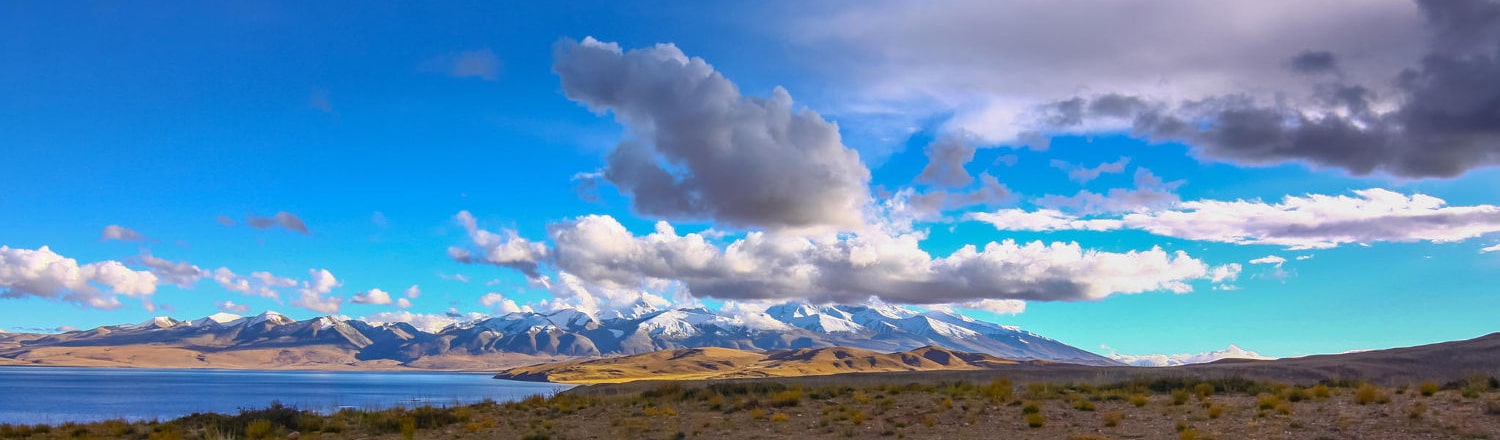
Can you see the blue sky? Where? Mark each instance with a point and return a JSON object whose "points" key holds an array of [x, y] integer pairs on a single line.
{"points": [[373, 127]]}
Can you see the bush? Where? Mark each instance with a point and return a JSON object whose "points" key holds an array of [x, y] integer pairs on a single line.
{"points": [[1031, 408], [1179, 396], [999, 390], [1035, 420], [783, 399], [780, 417], [1267, 401], [1215, 411], [1139, 400], [258, 429], [1367, 394], [1428, 388], [1083, 405], [1203, 390], [1321, 392], [1415, 411]]}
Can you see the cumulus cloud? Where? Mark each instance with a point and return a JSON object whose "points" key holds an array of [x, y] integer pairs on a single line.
{"points": [[931, 204], [1226, 273], [698, 149], [413, 292], [282, 219], [1297, 222], [504, 249], [372, 296], [853, 267], [262, 284], [946, 158], [1495, 248], [403, 303], [313, 294], [121, 233], [501, 305], [1083, 174], [44, 274], [231, 307]]}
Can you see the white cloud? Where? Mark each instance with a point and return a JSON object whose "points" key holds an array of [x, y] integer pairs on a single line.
{"points": [[1168, 360], [425, 322], [1150, 192], [996, 306], [373, 296], [501, 305], [1495, 248], [1226, 273], [853, 267], [231, 307], [1041, 220], [413, 292], [403, 303], [262, 284], [117, 232], [1297, 223], [505, 249], [312, 294], [1269, 259], [1321, 221], [454, 277], [45, 274]]}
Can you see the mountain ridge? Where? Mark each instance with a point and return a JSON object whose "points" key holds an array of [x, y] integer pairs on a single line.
{"points": [[506, 340]]}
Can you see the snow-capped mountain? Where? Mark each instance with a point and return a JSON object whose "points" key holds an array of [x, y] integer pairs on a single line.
{"points": [[640, 329], [1171, 360]]}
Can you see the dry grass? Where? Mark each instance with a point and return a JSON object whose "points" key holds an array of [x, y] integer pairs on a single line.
{"points": [[770, 410]]}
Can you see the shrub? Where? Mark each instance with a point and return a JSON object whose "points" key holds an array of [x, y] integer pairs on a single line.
{"points": [[1428, 388], [757, 413], [258, 429], [1188, 434], [1179, 396], [408, 427], [858, 417], [1139, 400], [1367, 394], [780, 417], [1113, 418], [1083, 405], [783, 399], [1415, 411], [1035, 420], [1215, 411], [999, 390], [1321, 392], [1204, 390], [1267, 401], [1031, 408]]}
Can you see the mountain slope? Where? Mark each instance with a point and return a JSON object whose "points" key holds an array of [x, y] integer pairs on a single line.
{"points": [[231, 341], [724, 363]]}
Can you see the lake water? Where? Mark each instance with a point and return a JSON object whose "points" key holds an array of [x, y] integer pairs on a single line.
{"points": [[55, 395]]}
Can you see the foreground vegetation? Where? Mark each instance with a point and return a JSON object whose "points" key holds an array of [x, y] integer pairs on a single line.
{"points": [[1158, 408]]}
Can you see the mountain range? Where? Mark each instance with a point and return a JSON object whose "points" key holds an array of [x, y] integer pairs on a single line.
{"points": [[271, 340]]}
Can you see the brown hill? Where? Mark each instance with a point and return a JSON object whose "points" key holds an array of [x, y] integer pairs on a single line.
{"points": [[724, 363]]}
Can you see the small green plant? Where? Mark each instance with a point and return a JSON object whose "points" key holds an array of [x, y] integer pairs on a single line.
{"points": [[1267, 401], [1035, 420], [1083, 405], [1139, 400], [1031, 408]]}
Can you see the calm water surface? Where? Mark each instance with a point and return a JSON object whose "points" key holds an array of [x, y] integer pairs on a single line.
{"points": [[56, 395]]}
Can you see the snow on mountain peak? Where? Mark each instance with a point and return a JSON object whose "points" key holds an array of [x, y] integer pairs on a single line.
{"points": [[1171, 360]]}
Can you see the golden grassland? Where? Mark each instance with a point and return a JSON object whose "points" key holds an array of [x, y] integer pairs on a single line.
{"points": [[725, 363], [765, 409]]}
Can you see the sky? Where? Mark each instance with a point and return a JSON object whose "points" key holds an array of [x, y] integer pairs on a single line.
{"points": [[1138, 176]]}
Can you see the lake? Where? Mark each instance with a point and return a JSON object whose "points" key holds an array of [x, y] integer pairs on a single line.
{"points": [[55, 395]]}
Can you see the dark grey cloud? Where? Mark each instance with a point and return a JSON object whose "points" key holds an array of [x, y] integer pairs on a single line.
{"points": [[931, 204], [1083, 174], [1314, 62], [282, 219], [698, 149], [1444, 120], [946, 158]]}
